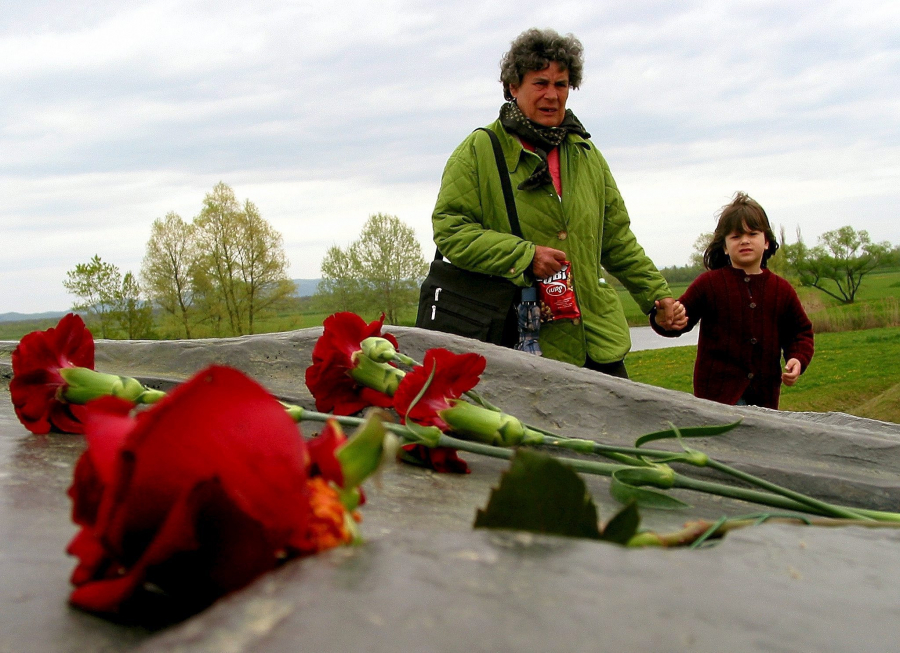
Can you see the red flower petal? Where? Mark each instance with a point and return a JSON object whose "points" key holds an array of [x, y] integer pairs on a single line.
{"points": [[328, 378], [321, 453], [107, 421], [327, 526], [440, 459], [219, 423], [336, 392], [36, 362], [454, 374], [198, 495], [344, 332]]}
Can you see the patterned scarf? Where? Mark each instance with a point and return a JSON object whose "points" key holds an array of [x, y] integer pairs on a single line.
{"points": [[543, 138]]}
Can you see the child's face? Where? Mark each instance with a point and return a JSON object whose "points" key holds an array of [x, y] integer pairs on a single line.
{"points": [[745, 248]]}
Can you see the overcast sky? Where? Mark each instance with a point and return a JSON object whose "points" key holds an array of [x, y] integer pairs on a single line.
{"points": [[114, 113]]}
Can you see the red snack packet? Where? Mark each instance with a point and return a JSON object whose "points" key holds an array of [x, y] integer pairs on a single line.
{"points": [[557, 296]]}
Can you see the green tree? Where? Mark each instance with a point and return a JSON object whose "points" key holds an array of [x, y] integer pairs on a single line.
{"points": [[391, 262], [699, 247], [96, 285], [780, 264], [133, 315], [242, 268], [341, 288], [166, 270], [112, 302], [380, 271], [838, 264], [262, 263]]}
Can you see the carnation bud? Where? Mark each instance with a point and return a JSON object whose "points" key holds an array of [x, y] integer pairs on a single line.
{"points": [[83, 385], [378, 376], [379, 350], [483, 425]]}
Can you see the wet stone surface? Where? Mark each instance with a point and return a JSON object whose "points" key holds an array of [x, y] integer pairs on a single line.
{"points": [[425, 581]]}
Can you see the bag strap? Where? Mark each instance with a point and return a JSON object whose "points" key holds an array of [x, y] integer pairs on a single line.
{"points": [[508, 198], [505, 183]]}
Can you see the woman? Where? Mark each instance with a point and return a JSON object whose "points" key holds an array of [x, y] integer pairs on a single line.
{"points": [[567, 201]]}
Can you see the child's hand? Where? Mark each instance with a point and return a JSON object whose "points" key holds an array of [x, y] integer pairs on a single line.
{"points": [[791, 372], [671, 315]]}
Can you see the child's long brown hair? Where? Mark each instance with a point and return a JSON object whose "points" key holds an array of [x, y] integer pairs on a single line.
{"points": [[742, 214]]}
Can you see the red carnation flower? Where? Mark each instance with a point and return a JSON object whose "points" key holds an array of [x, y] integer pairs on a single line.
{"points": [[196, 496], [322, 449], [37, 385], [442, 379], [336, 378], [440, 459], [454, 375]]}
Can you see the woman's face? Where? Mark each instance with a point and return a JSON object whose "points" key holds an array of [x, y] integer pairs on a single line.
{"points": [[542, 95]]}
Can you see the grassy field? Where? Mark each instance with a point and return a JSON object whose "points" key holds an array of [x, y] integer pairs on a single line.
{"points": [[855, 372], [856, 368], [877, 304]]}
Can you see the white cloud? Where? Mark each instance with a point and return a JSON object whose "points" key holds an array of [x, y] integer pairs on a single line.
{"points": [[118, 112]]}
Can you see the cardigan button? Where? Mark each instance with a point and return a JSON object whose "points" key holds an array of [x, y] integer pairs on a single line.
{"points": [[753, 341], [747, 279], [752, 304], [562, 235], [750, 376], [512, 270]]}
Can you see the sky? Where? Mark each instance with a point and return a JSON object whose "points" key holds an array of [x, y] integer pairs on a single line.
{"points": [[115, 113]]}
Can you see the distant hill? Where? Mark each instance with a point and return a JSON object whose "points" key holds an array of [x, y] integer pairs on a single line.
{"points": [[306, 287], [19, 317]]}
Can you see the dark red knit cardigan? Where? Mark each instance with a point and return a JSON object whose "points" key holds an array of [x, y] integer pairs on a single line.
{"points": [[747, 321]]}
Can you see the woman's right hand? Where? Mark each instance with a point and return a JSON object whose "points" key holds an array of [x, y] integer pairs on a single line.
{"points": [[547, 261]]}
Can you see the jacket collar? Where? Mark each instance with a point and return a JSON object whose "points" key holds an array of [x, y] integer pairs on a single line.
{"points": [[514, 151]]}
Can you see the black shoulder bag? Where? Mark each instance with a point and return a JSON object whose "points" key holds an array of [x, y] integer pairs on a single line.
{"points": [[470, 304]]}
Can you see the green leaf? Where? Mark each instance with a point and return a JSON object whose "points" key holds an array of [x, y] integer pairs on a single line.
{"points": [[624, 492], [689, 432], [362, 454], [542, 495], [623, 526]]}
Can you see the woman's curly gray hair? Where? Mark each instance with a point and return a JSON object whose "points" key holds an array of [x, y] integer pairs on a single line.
{"points": [[534, 49]]}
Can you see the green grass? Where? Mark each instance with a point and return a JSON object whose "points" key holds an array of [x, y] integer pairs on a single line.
{"points": [[856, 368], [15, 330], [633, 313], [877, 304], [855, 372]]}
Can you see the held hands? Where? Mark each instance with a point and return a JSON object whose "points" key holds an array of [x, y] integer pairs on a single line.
{"points": [[791, 372], [546, 261], [670, 314]]}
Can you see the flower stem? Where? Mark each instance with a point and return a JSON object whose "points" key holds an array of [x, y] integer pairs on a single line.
{"points": [[775, 500], [827, 508], [693, 531], [621, 454]]}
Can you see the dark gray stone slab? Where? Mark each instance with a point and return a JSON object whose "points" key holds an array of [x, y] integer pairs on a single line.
{"points": [[425, 581], [773, 588]]}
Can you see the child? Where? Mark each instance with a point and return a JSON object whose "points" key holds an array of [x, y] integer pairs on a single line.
{"points": [[748, 315]]}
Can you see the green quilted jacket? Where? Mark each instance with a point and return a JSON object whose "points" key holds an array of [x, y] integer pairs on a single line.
{"points": [[590, 224]]}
